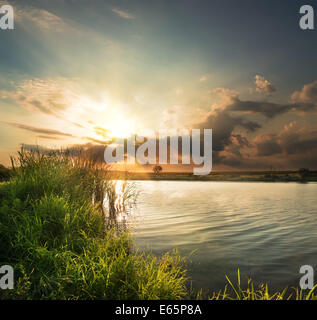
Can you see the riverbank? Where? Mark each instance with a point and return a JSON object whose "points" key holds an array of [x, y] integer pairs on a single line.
{"points": [[239, 176]]}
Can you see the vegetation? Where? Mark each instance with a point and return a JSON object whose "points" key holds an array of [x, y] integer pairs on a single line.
{"points": [[261, 292], [157, 169], [57, 240], [4, 173], [304, 173], [64, 242]]}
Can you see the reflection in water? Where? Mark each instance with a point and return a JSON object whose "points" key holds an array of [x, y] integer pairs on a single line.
{"points": [[120, 199], [267, 230]]}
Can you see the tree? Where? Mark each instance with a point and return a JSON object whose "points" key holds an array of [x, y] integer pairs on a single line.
{"points": [[303, 172], [157, 169]]}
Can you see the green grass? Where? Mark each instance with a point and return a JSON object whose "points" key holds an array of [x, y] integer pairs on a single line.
{"points": [[261, 292], [58, 242], [62, 244]]}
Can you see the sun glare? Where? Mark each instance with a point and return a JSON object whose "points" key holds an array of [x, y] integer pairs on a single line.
{"points": [[122, 128]]}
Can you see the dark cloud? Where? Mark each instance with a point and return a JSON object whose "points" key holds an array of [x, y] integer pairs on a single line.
{"points": [[223, 125], [302, 101], [268, 148], [240, 140], [38, 130], [286, 148], [298, 141], [290, 148], [269, 109]]}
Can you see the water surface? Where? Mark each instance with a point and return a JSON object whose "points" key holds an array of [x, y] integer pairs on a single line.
{"points": [[267, 230]]}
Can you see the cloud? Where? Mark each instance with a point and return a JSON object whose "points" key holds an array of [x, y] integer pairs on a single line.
{"points": [[266, 145], [269, 109], [123, 14], [308, 94], [293, 144], [102, 132], [104, 142], [232, 148], [292, 147], [294, 140], [50, 138], [289, 149], [303, 101], [49, 96], [46, 95], [223, 125], [38, 130], [40, 17], [264, 86], [232, 102]]}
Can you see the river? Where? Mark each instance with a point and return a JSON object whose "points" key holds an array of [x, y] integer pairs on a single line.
{"points": [[267, 230]]}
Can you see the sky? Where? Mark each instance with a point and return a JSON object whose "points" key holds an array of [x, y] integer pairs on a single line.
{"points": [[79, 72]]}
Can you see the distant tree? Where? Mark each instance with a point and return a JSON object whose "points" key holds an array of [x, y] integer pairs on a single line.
{"points": [[157, 169], [303, 172]]}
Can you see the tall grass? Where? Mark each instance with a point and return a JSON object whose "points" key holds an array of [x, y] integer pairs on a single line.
{"points": [[53, 231], [260, 292]]}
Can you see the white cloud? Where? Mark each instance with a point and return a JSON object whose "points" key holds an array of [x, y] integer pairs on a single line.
{"points": [[43, 18], [49, 96], [40, 17], [123, 14], [264, 86]]}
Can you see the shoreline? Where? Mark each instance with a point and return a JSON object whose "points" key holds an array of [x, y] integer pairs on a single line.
{"points": [[255, 176]]}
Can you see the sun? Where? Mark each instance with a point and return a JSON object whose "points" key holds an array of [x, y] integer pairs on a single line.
{"points": [[121, 128]]}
